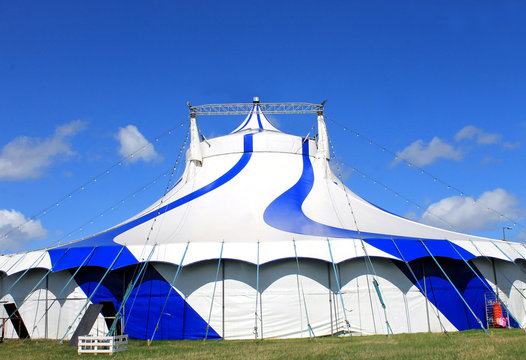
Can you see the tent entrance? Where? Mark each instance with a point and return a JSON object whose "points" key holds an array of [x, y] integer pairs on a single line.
{"points": [[109, 312], [16, 321]]}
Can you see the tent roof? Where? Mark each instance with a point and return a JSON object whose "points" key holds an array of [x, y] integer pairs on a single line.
{"points": [[254, 193]]}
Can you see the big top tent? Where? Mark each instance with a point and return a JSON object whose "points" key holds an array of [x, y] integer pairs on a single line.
{"points": [[260, 239]]}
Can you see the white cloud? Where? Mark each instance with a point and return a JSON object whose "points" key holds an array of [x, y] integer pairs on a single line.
{"points": [[131, 140], [490, 160], [12, 238], [471, 132], [27, 157], [422, 154], [511, 146], [465, 215]]}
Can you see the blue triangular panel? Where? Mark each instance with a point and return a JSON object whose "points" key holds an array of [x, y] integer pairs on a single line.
{"points": [[144, 306]]}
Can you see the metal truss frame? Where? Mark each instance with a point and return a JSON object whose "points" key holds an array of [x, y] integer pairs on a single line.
{"points": [[267, 108]]}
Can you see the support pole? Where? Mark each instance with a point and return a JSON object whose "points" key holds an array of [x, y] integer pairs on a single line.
{"points": [[257, 297], [223, 297], [172, 286], [339, 291], [495, 277], [427, 303], [424, 291], [300, 285], [213, 293], [330, 294], [377, 287]]}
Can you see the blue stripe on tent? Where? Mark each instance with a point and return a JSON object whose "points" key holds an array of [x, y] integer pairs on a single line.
{"points": [[285, 213], [413, 249], [443, 296], [105, 239], [143, 307], [102, 256]]}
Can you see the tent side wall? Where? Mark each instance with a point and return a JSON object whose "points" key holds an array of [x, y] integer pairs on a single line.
{"points": [[287, 303]]}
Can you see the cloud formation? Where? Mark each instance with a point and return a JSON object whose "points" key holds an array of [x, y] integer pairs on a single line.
{"points": [[471, 132], [15, 239], [26, 157], [420, 154], [511, 146], [131, 141], [465, 215]]}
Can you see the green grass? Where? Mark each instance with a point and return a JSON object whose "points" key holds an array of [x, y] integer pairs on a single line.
{"points": [[472, 344]]}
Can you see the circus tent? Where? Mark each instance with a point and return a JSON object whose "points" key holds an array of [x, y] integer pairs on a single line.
{"points": [[259, 239]]}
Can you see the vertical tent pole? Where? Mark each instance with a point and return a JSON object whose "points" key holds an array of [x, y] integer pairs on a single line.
{"points": [[91, 296], [213, 293], [46, 322], [311, 332], [330, 294], [358, 291], [495, 276], [458, 292], [377, 287], [172, 285], [339, 291], [425, 294], [419, 288], [257, 297], [223, 263]]}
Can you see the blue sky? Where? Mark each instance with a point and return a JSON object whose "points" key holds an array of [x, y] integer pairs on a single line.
{"points": [[440, 83]]}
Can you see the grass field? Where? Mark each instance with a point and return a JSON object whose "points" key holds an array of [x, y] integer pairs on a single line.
{"points": [[473, 344]]}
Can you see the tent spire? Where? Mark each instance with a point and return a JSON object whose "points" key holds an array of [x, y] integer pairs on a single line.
{"points": [[195, 148], [195, 155], [323, 137]]}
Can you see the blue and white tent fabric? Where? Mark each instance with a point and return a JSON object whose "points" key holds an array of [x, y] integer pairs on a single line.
{"points": [[259, 239]]}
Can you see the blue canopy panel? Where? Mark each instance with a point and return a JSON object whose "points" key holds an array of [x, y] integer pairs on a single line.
{"points": [[143, 307], [101, 256], [412, 248]]}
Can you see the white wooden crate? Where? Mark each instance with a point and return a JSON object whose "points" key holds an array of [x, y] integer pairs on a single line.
{"points": [[102, 344]]}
